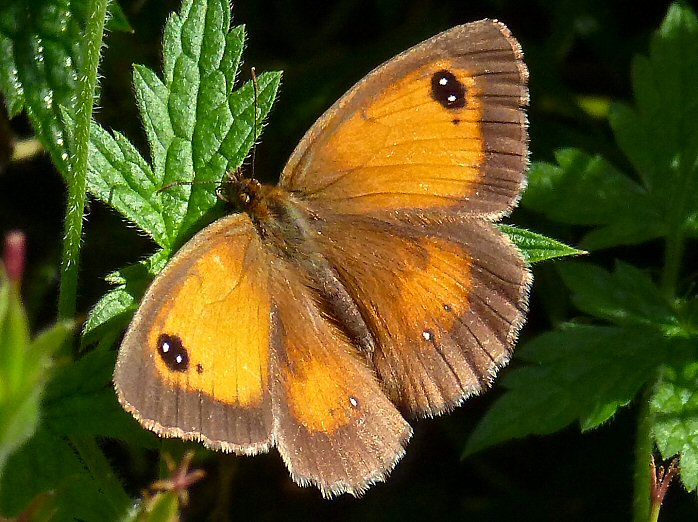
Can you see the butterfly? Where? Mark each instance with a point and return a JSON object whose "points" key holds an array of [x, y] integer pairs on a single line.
{"points": [[370, 286]]}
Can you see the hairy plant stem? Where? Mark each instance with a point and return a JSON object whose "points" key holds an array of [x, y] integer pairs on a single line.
{"points": [[76, 178], [77, 175]]}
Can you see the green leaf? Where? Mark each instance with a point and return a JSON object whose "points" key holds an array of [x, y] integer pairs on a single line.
{"points": [[688, 317], [625, 297], [587, 190], [198, 129], [20, 385], [24, 366], [121, 178], [80, 400], [580, 373], [163, 507], [660, 138], [536, 247], [659, 134], [674, 409], [117, 20], [113, 311], [49, 463], [40, 58], [197, 126]]}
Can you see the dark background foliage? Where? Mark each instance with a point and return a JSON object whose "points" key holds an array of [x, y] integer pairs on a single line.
{"points": [[579, 55]]}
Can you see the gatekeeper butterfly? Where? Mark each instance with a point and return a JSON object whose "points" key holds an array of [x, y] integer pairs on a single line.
{"points": [[369, 286]]}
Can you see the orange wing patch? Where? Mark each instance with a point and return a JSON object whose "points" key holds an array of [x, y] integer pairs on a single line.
{"points": [[334, 426], [440, 128], [220, 316], [195, 360], [407, 135], [320, 412], [444, 301]]}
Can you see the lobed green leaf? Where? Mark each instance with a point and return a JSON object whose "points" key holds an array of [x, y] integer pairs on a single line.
{"points": [[579, 373], [587, 190], [674, 409], [625, 297]]}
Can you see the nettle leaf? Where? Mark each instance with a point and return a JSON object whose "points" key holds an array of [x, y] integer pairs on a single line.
{"points": [[674, 409], [625, 297], [113, 311], [120, 177], [40, 59], [39, 63], [536, 247], [579, 373], [198, 128]]}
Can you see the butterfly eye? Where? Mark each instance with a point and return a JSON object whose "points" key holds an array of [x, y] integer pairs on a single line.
{"points": [[447, 90], [173, 353]]}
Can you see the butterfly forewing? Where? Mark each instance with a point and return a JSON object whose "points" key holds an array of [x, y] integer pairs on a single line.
{"points": [[195, 360], [439, 127]]}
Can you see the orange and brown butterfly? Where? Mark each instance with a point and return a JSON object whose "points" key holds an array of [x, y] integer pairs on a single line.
{"points": [[368, 287]]}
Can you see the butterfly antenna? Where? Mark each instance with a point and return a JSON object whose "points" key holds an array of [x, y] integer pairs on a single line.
{"points": [[173, 184], [181, 184], [255, 86]]}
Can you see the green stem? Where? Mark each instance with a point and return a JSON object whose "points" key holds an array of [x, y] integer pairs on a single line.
{"points": [[77, 177], [673, 254], [89, 451], [101, 472], [643, 452]]}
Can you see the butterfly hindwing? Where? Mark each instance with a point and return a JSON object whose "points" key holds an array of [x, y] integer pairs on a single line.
{"points": [[195, 360], [441, 126], [444, 301], [334, 426]]}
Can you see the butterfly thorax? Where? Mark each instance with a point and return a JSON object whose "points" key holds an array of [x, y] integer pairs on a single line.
{"points": [[281, 224], [288, 228]]}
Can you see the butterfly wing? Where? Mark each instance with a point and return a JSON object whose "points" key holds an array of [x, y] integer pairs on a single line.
{"points": [[335, 427], [439, 127], [444, 300], [195, 361]]}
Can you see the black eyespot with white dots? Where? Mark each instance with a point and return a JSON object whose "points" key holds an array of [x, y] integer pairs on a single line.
{"points": [[173, 353], [447, 90]]}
